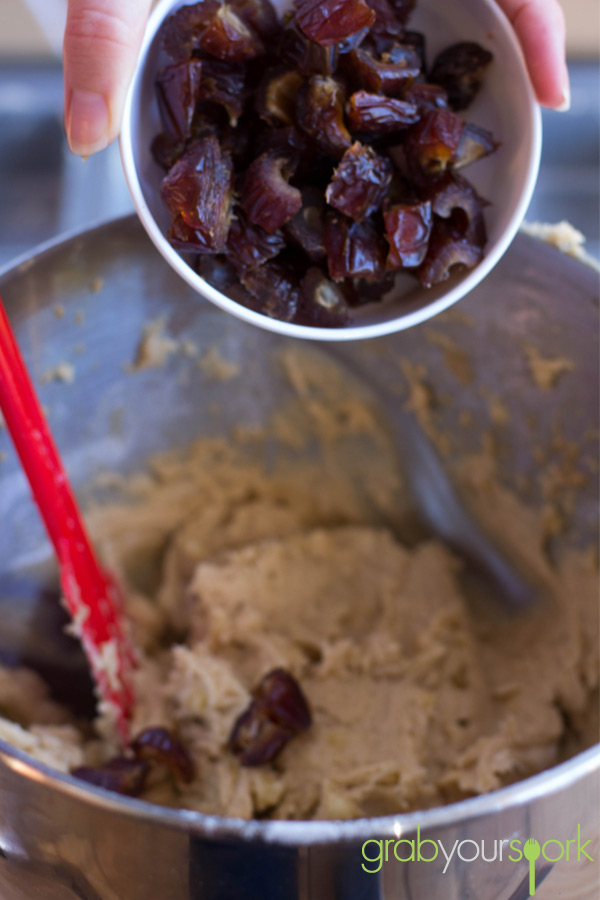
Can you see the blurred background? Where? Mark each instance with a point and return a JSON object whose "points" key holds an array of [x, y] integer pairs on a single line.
{"points": [[47, 191]]}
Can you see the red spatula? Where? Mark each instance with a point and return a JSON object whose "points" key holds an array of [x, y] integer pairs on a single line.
{"points": [[92, 597]]}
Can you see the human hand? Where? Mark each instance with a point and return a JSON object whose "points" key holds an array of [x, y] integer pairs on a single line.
{"points": [[540, 27], [103, 37]]}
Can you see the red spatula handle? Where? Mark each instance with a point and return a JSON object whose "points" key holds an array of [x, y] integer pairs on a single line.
{"points": [[91, 596]]}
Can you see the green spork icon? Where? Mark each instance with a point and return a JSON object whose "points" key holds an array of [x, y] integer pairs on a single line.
{"points": [[531, 852]]}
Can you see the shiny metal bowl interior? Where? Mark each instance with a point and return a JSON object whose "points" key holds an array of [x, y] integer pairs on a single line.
{"points": [[110, 282]]}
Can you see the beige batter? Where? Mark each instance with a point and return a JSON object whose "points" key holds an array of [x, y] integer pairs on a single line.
{"points": [[422, 689]]}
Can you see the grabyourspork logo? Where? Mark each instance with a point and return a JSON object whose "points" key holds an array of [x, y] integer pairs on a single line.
{"points": [[417, 849]]}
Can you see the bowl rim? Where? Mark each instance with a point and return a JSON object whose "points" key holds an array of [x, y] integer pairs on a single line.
{"points": [[303, 833], [299, 833], [351, 332]]}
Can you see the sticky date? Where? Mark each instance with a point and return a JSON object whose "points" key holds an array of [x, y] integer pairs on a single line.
{"points": [[474, 144], [331, 21], [408, 228], [121, 775], [278, 712], [159, 745], [276, 96], [259, 15], [275, 290], [306, 228], [454, 199], [249, 245], [360, 182], [178, 91], [433, 141], [378, 114], [447, 251], [198, 190], [460, 70], [298, 52], [182, 31], [228, 38], [387, 75], [354, 249], [223, 83], [266, 196], [320, 113], [323, 304]]}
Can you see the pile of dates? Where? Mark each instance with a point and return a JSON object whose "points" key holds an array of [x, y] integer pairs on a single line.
{"points": [[310, 160]]}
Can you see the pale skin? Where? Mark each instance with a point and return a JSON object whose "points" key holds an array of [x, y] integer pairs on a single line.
{"points": [[103, 37]]}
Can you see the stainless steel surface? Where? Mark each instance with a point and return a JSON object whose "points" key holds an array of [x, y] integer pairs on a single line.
{"points": [[59, 839], [438, 504]]}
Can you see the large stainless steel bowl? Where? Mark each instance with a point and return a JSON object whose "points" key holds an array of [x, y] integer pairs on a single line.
{"points": [[60, 839]]}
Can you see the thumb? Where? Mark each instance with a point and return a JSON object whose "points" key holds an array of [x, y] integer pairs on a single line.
{"points": [[102, 40]]}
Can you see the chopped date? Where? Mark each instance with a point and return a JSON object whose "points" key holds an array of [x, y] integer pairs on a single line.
{"points": [[306, 228], [277, 713], [454, 199], [360, 182], [403, 9], [275, 290], [121, 775], [159, 745], [280, 695], [323, 304], [360, 291], [297, 50], [354, 249], [198, 189], [416, 40], [223, 83], [408, 228], [474, 144], [433, 141], [351, 43], [331, 21], [447, 251], [166, 150], [426, 96], [288, 141], [219, 272], [178, 91], [309, 160], [187, 239], [276, 96], [460, 69], [383, 76], [266, 196], [128, 774], [378, 114], [386, 30], [259, 15], [320, 113], [249, 245], [256, 740], [228, 38], [183, 29]]}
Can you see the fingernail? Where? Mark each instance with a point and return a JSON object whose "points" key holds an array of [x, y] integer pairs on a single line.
{"points": [[565, 106], [87, 122]]}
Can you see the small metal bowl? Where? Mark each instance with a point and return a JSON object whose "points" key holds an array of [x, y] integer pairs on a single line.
{"points": [[506, 106]]}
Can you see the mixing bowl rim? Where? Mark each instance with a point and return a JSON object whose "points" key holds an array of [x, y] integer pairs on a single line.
{"points": [[311, 832]]}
